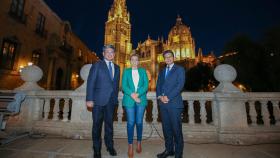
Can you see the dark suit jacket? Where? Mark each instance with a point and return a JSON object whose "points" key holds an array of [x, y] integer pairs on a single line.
{"points": [[100, 87], [172, 86]]}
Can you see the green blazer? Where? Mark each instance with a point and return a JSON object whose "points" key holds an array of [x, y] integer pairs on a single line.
{"points": [[128, 87]]}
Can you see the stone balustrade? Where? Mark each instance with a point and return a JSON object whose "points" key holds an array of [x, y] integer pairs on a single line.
{"points": [[225, 115], [263, 109]]}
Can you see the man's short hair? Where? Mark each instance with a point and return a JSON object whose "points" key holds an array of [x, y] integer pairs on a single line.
{"points": [[168, 51], [108, 46]]}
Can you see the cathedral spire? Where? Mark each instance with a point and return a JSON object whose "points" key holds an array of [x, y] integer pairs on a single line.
{"points": [[200, 55], [179, 20], [118, 10]]}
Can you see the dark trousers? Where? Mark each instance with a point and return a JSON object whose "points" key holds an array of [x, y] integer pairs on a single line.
{"points": [[100, 114], [172, 128]]}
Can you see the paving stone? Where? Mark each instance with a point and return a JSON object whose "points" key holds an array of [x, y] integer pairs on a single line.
{"points": [[58, 147]]}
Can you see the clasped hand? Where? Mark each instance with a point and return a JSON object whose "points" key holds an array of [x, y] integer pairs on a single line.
{"points": [[164, 99], [135, 97]]}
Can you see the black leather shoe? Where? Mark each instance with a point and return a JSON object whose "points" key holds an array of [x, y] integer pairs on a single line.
{"points": [[178, 156], [112, 151], [165, 154], [97, 154]]}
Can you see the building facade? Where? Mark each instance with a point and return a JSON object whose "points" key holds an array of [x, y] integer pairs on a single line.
{"points": [[31, 33]]}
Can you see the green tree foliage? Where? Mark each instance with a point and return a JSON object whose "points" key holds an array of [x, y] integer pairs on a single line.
{"points": [[257, 63], [271, 44], [200, 78]]}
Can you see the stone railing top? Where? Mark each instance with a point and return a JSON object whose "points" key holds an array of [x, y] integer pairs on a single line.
{"points": [[152, 95], [84, 75], [262, 95], [84, 71], [30, 75], [225, 74]]}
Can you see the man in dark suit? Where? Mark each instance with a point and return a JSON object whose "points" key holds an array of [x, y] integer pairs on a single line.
{"points": [[170, 83], [102, 97]]}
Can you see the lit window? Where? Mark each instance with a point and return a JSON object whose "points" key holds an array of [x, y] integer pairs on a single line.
{"points": [[160, 58], [36, 57], [177, 54], [188, 52], [7, 54], [183, 52], [80, 53]]}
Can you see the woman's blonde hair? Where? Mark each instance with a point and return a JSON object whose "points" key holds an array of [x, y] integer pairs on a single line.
{"points": [[134, 55]]}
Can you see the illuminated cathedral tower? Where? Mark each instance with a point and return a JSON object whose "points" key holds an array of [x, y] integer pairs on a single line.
{"points": [[118, 31]]}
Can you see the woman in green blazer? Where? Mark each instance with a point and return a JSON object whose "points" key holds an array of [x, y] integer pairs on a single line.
{"points": [[135, 87]]}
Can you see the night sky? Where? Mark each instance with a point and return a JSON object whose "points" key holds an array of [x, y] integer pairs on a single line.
{"points": [[213, 22]]}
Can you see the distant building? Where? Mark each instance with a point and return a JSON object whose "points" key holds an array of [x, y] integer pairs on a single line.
{"points": [[32, 33], [180, 41]]}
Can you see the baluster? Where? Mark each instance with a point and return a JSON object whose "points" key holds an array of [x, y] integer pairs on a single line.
{"points": [[38, 109], [191, 112], [265, 113], [253, 113], [215, 116], [145, 117], [155, 111], [203, 112], [276, 112], [47, 108], [120, 112], [56, 109], [66, 109]]}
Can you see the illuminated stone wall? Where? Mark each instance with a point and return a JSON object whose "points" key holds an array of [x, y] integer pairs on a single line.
{"points": [[35, 34]]}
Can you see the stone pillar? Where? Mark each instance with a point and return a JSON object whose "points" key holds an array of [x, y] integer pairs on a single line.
{"points": [[31, 108], [232, 121], [79, 111], [225, 74]]}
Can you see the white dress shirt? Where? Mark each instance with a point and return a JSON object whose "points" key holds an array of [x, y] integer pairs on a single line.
{"points": [[135, 78], [112, 64]]}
